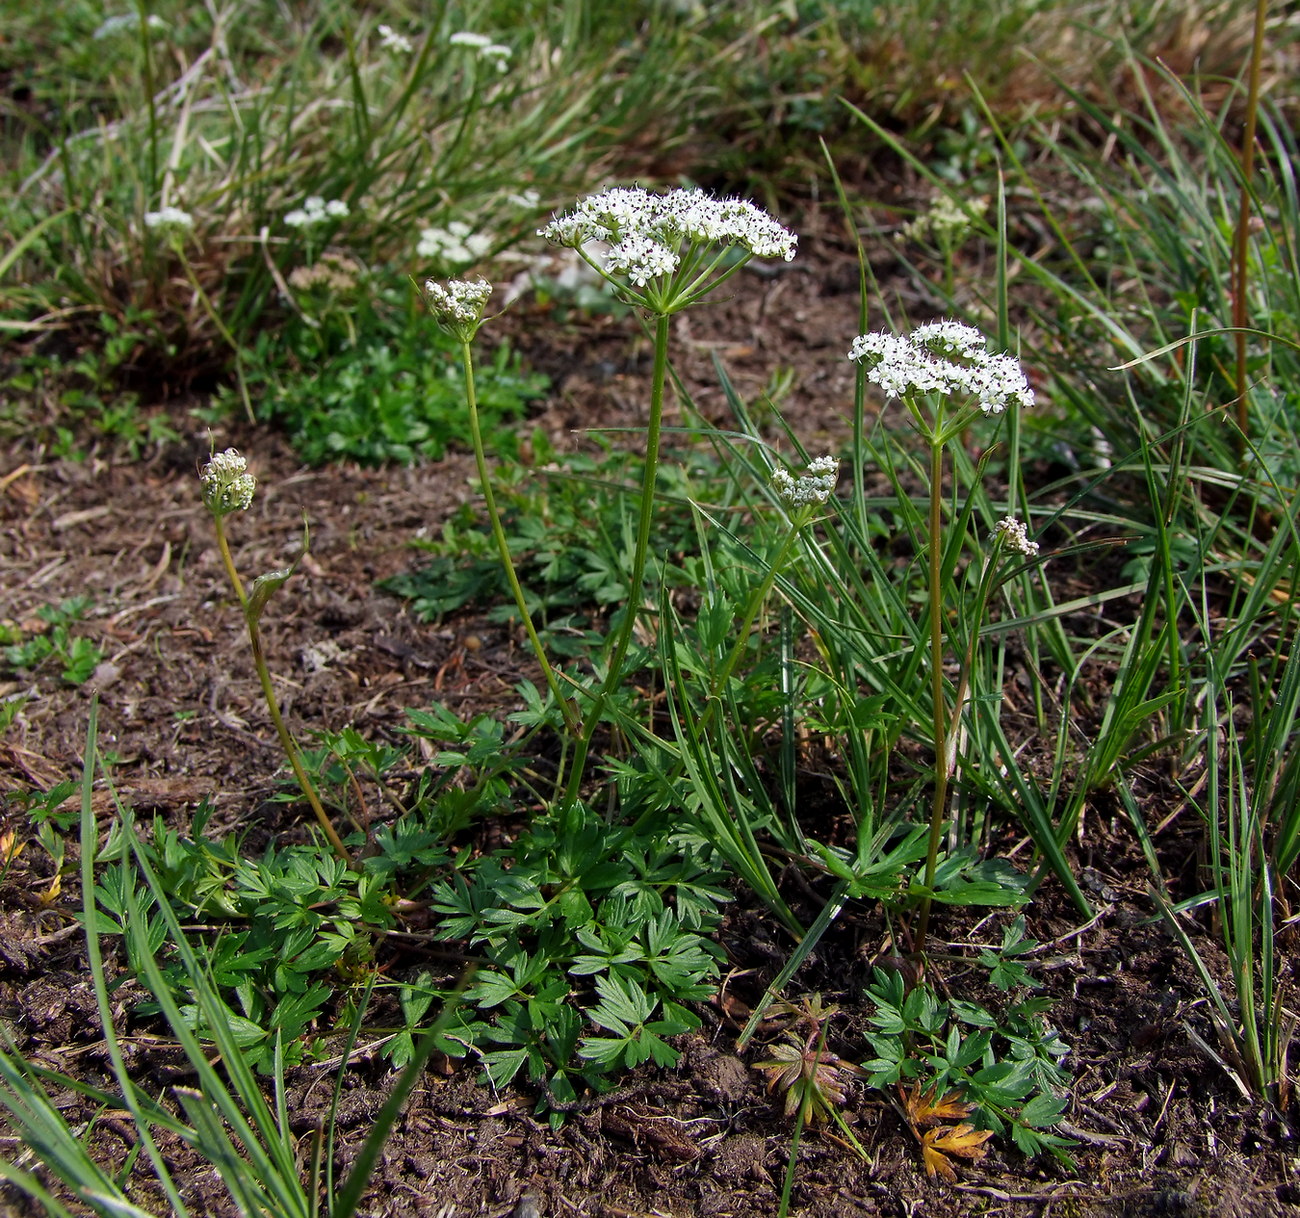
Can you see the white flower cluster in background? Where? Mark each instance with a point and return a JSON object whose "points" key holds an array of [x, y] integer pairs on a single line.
{"points": [[1016, 536], [226, 483], [458, 300], [457, 244], [943, 357], [315, 210], [646, 232], [494, 52], [391, 40], [127, 21], [817, 486], [170, 221]]}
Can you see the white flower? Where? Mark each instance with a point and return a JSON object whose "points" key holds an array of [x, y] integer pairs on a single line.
{"points": [[456, 244], [943, 357], [127, 21], [817, 486], [226, 485], [170, 221], [458, 303], [391, 40], [465, 39], [315, 210], [498, 53], [649, 234], [1016, 536]]}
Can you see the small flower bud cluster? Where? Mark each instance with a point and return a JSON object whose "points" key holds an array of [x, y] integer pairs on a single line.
{"points": [[946, 220], [315, 211], [817, 486], [331, 273], [226, 484], [1016, 536], [391, 40], [458, 302], [169, 221], [646, 232], [943, 357], [456, 244]]}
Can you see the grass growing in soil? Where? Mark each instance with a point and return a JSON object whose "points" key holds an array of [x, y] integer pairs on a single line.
{"points": [[1047, 567]]}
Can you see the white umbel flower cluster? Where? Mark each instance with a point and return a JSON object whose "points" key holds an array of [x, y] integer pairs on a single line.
{"points": [[493, 52], [646, 233], [943, 357], [127, 21], [457, 244], [315, 210], [170, 221], [458, 302], [817, 486], [226, 484], [1015, 536]]}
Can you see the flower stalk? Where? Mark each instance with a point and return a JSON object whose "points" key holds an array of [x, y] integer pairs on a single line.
{"points": [[458, 307], [664, 253], [937, 363], [228, 487]]}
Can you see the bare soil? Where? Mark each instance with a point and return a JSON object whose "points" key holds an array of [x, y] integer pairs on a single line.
{"points": [[1162, 1129]]}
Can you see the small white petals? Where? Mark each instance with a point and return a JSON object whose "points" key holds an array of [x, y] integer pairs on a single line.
{"points": [[648, 234], [641, 258], [466, 39], [1015, 536], [226, 485], [391, 40], [817, 486], [943, 357], [316, 210], [458, 303]]}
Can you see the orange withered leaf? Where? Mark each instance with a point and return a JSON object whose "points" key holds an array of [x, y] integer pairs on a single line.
{"points": [[937, 1144]]}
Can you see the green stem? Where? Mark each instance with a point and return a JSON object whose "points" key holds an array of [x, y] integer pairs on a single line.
{"points": [[939, 712], [287, 742], [636, 586], [503, 548]]}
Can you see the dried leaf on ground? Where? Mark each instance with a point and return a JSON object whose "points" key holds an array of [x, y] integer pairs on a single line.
{"points": [[963, 1140]]}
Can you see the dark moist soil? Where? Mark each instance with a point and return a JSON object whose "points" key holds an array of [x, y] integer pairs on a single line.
{"points": [[1162, 1130]]}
